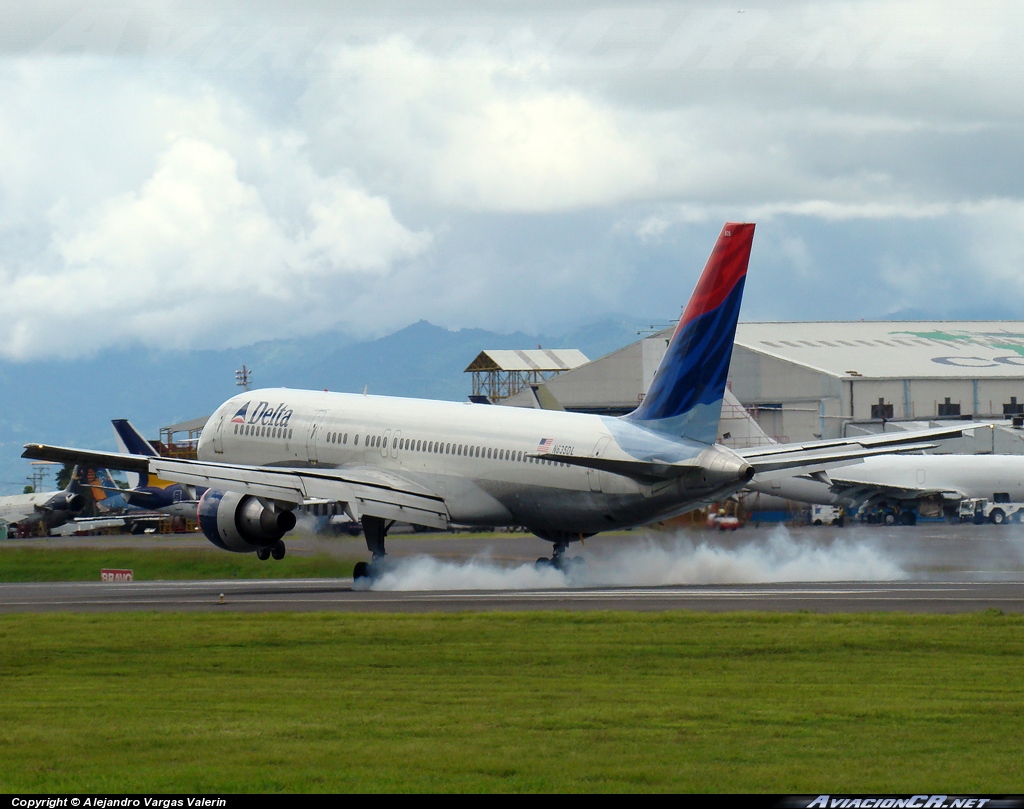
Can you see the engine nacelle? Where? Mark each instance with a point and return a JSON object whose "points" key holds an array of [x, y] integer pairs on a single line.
{"points": [[240, 522], [72, 502]]}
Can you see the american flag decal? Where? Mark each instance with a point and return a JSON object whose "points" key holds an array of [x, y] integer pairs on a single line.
{"points": [[545, 445]]}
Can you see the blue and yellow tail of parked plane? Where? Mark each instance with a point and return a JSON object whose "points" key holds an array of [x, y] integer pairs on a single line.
{"points": [[685, 398]]}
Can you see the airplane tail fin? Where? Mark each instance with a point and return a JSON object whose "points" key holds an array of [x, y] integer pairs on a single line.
{"points": [[101, 488], [75, 495], [90, 488], [544, 399], [130, 440], [685, 398], [738, 428]]}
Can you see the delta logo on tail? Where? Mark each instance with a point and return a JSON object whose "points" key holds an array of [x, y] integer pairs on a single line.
{"points": [[685, 398]]}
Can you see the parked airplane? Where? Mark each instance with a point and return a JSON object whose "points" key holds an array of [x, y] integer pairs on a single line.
{"points": [[900, 484], [564, 476], [147, 491], [48, 508]]}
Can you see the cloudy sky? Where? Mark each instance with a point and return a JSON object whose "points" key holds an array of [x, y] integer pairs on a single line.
{"points": [[210, 174]]}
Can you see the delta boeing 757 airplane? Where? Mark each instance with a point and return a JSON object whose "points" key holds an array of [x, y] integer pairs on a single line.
{"points": [[564, 476]]}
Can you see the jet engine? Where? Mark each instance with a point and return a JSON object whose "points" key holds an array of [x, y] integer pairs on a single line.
{"points": [[242, 523], [72, 502]]}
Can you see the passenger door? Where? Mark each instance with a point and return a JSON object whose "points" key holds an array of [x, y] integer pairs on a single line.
{"points": [[314, 436], [594, 475]]}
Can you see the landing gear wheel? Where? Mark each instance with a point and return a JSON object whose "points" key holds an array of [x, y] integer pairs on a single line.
{"points": [[278, 551], [360, 571], [557, 560], [263, 554]]}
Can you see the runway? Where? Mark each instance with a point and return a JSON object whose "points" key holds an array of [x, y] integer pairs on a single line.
{"points": [[933, 568], [283, 595]]}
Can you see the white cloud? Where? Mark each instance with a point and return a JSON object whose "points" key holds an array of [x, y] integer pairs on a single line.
{"points": [[355, 231], [195, 256], [997, 245], [237, 174], [471, 131]]}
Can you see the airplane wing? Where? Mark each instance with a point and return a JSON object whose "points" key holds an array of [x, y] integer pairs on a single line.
{"points": [[859, 492], [87, 524], [362, 490], [893, 439], [788, 462], [107, 460], [776, 460]]}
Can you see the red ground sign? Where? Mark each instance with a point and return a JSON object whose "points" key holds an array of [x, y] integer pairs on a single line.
{"points": [[116, 575]]}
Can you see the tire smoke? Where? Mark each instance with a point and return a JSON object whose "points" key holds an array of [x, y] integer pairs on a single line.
{"points": [[653, 560]]}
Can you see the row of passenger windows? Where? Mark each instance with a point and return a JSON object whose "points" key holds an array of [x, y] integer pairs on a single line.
{"points": [[263, 431], [409, 444], [443, 448]]}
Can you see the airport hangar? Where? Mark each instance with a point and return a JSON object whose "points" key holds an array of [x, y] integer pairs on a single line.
{"points": [[800, 381], [803, 381]]}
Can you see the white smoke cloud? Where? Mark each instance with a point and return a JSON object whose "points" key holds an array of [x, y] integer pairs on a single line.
{"points": [[657, 562]]}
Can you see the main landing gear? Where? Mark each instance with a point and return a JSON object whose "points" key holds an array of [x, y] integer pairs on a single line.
{"points": [[276, 550], [560, 542], [557, 560], [374, 530]]}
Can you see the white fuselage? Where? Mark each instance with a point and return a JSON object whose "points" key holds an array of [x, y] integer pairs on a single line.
{"points": [[15, 508], [973, 476], [480, 458]]}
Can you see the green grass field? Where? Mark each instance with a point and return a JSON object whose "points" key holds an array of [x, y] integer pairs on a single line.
{"points": [[589, 702]]}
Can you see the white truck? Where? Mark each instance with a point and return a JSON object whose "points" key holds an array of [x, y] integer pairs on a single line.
{"points": [[981, 509], [827, 515]]}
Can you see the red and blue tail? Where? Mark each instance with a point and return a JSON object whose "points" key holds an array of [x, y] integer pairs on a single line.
{"points": [[685, 398]]}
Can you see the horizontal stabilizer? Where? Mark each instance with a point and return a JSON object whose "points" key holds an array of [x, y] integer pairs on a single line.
{"points": [[641, 471]]}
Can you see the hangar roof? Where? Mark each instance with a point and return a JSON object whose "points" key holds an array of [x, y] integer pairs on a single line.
{"points": [[894, 349], [192, 425], [535, 359]]}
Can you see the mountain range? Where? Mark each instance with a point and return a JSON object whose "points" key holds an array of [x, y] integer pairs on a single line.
{"points": [[71, 402]]}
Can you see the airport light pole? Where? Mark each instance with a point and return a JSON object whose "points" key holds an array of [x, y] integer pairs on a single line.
{"points": [[242, 377]]}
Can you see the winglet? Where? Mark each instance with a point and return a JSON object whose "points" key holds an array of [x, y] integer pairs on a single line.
{"points": [[685, 398], [544, 399]]}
